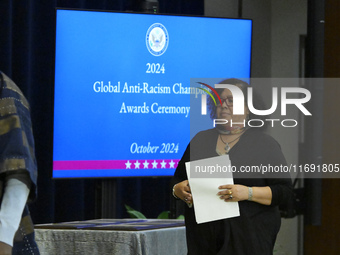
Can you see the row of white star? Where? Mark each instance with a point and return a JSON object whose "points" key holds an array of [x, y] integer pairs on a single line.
{"points": [[145, 164]]}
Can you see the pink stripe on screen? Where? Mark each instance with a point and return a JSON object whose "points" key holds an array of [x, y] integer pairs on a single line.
{"points": [[113, 164]]}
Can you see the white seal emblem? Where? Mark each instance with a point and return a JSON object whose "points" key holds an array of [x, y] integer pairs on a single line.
{"points": [[157, 39]]}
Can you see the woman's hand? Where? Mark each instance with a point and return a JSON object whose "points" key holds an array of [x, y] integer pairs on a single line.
{"points": [[183, 192], [233, 193], [5, 249]]}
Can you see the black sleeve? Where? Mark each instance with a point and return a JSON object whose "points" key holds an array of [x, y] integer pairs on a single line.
{"points": [[280, 182], [282, 191], [180, 173]]}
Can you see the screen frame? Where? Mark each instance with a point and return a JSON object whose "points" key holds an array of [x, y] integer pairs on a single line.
{"points": [[127, 12]]}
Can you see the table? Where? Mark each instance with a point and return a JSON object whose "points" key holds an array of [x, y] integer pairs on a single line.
{"points": [[106, 236]]}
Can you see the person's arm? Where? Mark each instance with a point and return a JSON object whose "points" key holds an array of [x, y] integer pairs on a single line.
{"points": [[5, 249], [179, 183], [204, 144], [12, 205], [278, 191]]}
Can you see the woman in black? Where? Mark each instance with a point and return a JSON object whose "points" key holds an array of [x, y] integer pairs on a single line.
{"points": [[255, 230]]}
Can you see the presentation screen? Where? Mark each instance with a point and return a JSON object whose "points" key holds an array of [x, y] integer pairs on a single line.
{"points": [[122, 87]]}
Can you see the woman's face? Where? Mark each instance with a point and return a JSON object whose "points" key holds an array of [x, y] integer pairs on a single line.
{"points": [[225, 111]]}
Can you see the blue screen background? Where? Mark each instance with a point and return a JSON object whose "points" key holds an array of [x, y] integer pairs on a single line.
{"points": [[111, 48]]}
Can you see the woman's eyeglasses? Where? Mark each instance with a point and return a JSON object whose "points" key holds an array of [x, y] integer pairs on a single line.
{"points": [[228, 101]]}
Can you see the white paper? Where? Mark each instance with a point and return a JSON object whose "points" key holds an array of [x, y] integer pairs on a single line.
{"points": [[204, 188]]}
